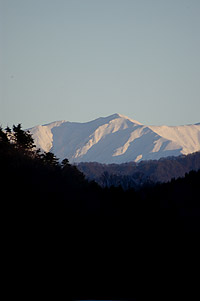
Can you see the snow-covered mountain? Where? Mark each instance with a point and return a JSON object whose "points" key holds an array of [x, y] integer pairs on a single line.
{"points": [[115, 139]]}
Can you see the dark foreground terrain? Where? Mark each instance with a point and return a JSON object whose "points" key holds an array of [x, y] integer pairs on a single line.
{"points": [[62, 231]]}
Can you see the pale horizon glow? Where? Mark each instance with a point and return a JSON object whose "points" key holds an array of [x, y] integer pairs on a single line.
{"points": [[78, 60]]}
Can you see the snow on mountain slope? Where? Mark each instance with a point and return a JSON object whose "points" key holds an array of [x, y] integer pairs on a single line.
{"points": [[115, 139], [188, 136], [43, 136]]}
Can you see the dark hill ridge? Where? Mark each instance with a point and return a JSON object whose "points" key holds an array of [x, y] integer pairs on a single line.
{"points": [[133, 174], [56, 223]]}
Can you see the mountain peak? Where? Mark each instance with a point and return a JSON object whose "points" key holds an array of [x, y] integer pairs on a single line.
{"points": [[118, 115], [115, 139]]}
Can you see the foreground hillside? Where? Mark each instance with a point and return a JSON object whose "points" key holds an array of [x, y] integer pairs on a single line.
{"points": [[115, 139], [75, 236]]}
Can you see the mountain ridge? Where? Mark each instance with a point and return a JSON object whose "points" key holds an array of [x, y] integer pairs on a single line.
{"points": [[115, 139]]}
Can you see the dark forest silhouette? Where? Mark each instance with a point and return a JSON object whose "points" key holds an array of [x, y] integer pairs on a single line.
{"points": [[51, 207]]}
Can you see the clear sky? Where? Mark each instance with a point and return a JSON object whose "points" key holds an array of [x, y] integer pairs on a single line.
{"points": [[78, 60]]}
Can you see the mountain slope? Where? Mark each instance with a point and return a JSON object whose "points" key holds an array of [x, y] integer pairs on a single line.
{"points": [[115, 139]]}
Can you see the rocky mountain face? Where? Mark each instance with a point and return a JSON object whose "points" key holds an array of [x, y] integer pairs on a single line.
{"points": [[115, 139]]}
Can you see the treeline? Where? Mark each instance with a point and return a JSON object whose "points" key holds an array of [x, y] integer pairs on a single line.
{"points": [[34, 179], [135, 175], [36, 184]]}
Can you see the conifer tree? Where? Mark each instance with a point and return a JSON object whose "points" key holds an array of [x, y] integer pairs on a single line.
{"points": [[9, 134], [49, 159], [65, 163], [23, 139], [3, 136]]}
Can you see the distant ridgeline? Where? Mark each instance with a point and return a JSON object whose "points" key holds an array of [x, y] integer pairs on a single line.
{"points": [[134, 175]]}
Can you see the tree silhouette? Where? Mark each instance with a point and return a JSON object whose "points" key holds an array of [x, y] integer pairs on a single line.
{"points": [[9, 134], [49, 158], [3, 136], [65, 163], [23, 139]]}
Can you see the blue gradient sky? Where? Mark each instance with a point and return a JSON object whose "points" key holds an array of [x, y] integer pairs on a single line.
{"points": [[80, 59]]}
